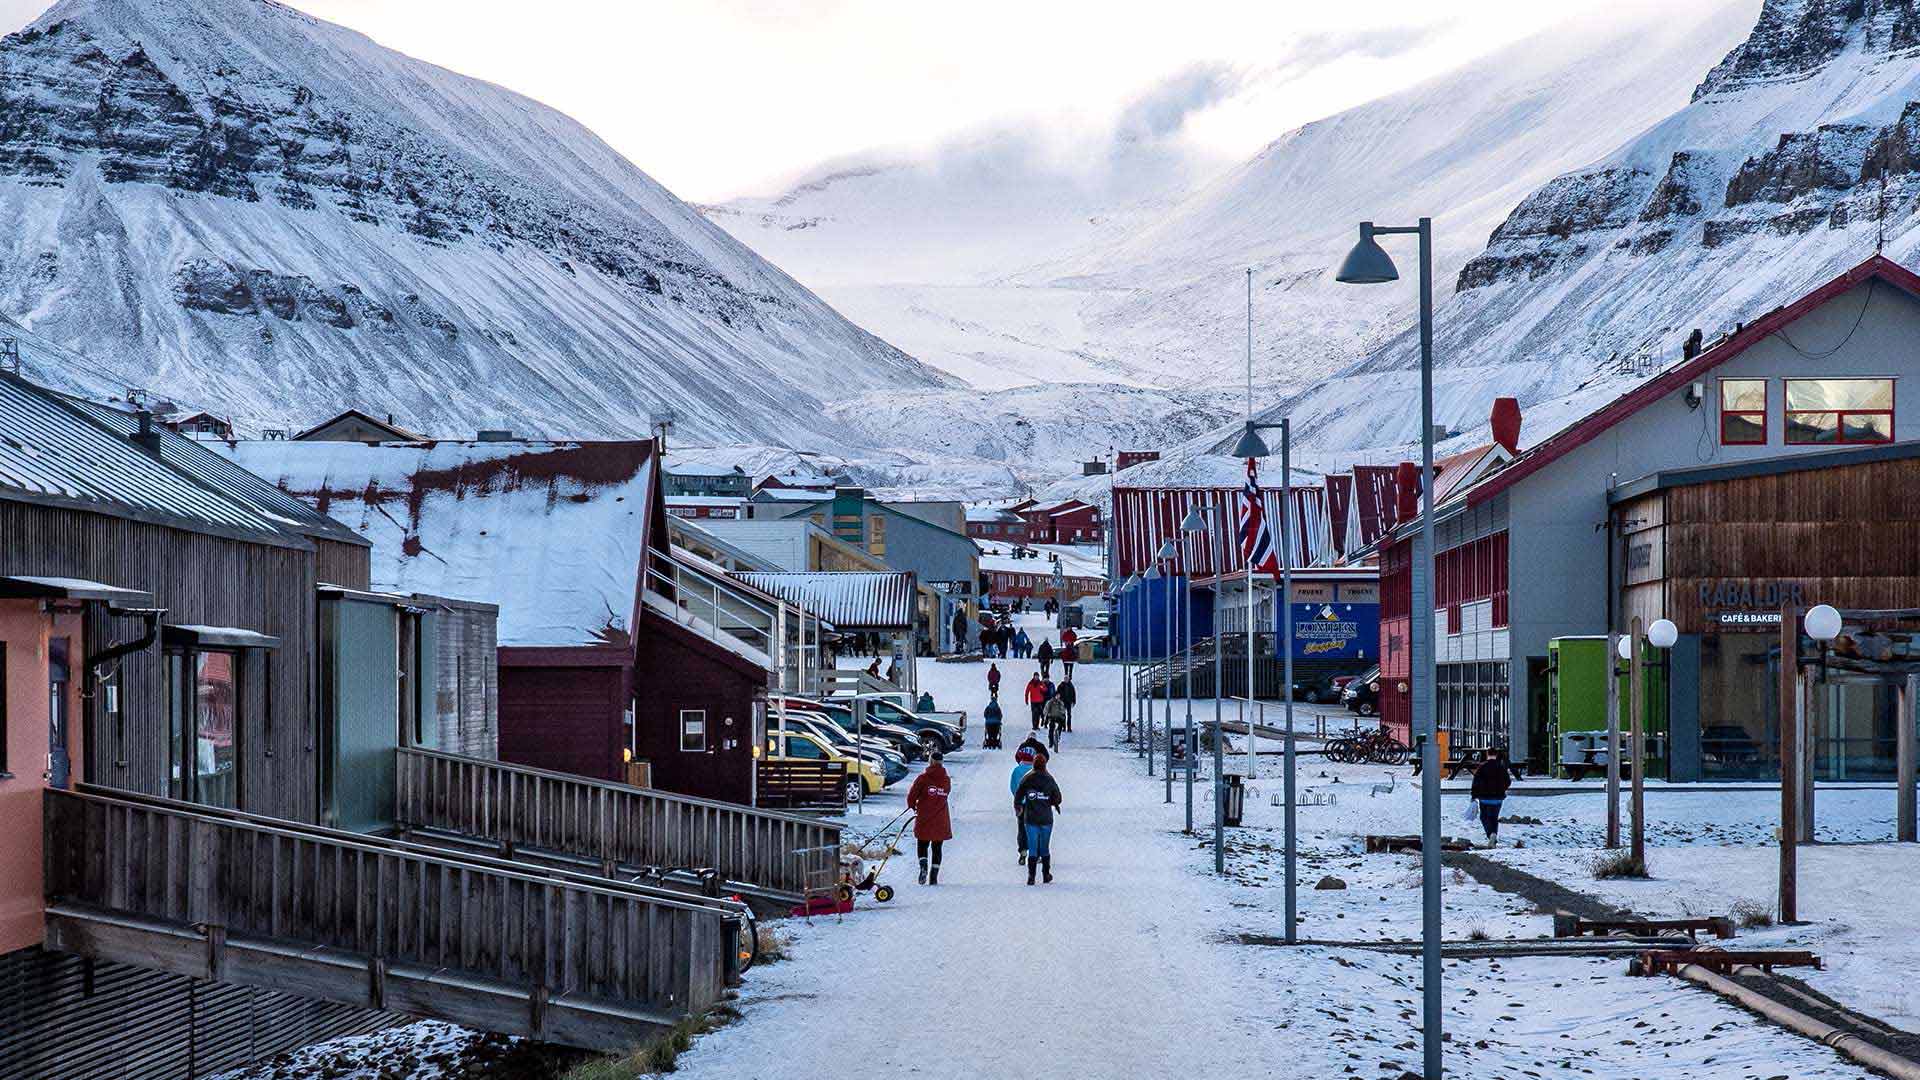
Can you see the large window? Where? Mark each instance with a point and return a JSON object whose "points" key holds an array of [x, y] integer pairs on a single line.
{"points": [[203, 726], [1839, 411], [1743, 411]]}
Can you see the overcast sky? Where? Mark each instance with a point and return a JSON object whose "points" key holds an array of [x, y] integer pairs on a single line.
{"points": [[717, 98]]}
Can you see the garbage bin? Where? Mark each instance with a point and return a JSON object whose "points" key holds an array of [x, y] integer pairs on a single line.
{"points": [[1236, 800]]}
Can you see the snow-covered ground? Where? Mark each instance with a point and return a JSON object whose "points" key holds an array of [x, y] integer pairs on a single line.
{"points": [[1134, 962], [1130, 964]]}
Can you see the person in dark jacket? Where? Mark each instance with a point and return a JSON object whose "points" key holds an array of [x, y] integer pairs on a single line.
{"points": [[932, 824], [992, 717], [1036, 800], [1067, 695], [993, 680], [1045, 656], [1055, 713], [960, 631], [1023, 760], [1490, 783]]}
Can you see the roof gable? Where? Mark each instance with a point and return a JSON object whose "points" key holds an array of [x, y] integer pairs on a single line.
{"points": [[1877, 268]]}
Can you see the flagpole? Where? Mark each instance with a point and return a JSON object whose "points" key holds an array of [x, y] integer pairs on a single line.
{"points": [[1253, 482]]}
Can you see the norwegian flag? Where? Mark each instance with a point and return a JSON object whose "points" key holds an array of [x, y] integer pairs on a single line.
{"points": [[1257, 549]]}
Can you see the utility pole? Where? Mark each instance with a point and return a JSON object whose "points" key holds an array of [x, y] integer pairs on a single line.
{"points": [[1283, 607]]}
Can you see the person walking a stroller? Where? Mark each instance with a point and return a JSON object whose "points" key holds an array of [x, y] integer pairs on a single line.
{"points": [[932, 824]]}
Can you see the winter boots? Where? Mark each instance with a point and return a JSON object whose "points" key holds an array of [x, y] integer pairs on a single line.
{"points": [[923, 871], [1046, 868], [1032, 865], [929, 875]]}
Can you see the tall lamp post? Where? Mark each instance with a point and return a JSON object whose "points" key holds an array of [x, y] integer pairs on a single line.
{"points": [[1126, 655], [1661, 635], [1822, 623], [1198, 519], [1168, 551], [1368, 264], [1251, 442]]}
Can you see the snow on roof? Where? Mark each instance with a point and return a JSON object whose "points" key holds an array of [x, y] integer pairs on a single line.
{"points": [[850, 599], [779, 494], [699, 468], [991, 513], [705, 500], [551, 532], [1074, 561]]}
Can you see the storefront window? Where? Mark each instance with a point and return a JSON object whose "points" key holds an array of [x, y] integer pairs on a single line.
{"points": [[216, 707], [1854, 730], [1743, 411], [1839, 411]]}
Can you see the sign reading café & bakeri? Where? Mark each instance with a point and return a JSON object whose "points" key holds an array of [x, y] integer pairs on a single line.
{"points": [[1747, 603]]}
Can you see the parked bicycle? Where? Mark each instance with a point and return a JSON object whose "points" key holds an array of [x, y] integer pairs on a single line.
{"points": [[1374, 747]]}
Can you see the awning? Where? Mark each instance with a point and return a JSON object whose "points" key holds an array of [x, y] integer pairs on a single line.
{"points": [[65, 588], [218, 637]]}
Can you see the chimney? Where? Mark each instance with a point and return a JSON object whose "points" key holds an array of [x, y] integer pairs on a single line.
{"points": [[1506, 423], [1406, 492], [1691, 348], [146, 437]]}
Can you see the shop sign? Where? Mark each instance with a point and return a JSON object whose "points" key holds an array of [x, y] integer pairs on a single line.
{"points": [[1742, 603], [1335, 631]]}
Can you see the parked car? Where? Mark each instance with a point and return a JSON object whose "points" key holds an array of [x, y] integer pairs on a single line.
{"points": [[1102, 619], [878, 753], [800, 746], [908, 742], [1362, 695]]}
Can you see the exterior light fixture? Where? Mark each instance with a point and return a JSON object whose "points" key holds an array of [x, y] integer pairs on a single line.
{"points": [[1663, 633], [1823, 622]]}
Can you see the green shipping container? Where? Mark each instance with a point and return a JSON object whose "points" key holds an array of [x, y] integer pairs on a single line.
{"points": [[1577, 696]]}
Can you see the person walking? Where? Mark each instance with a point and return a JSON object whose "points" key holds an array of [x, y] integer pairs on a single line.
{"points": [[1068, 694], [993, 679], [1036, 698], [992, 718], [1045, 656], [1055, 713], [960, 630], [1022, 644], [873, 669], [1069, 652], [1490, 783], [1037, 799], [1068, 638], [1023, 759], [932, 824]]}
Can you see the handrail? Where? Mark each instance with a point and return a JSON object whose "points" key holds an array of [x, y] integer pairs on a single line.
{"points": [[152, 859], [368, 841], [614, 824]]}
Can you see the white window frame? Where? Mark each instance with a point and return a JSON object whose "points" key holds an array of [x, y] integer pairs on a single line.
{"points": [[702, 715]]}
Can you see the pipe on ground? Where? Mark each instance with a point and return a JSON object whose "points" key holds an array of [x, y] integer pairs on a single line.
{"points": [[1847, 1043]]}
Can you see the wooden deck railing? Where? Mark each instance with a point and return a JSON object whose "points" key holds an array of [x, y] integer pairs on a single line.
{"points": [[327, 914], [752, 850]]}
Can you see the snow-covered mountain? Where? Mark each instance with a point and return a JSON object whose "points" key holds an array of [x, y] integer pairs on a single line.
{"points": [[1795, 155], [253, 210], [983, 262]]}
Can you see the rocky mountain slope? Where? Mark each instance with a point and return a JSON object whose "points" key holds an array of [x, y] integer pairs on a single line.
{"points": [[1795, 157], [252, 210]]}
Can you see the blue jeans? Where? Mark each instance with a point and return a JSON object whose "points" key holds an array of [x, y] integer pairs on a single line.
{"points": [[1490, 816], [1037, 838]]}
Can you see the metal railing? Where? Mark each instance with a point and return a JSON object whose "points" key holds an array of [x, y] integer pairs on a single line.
{"points": [[230, 897], [612, 825]]}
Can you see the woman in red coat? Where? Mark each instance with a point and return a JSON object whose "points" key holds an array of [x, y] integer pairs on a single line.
{"points": [[931, 824]]}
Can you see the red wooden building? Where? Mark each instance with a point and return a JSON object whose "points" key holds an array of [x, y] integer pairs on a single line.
{"points": [[1066, 521]]}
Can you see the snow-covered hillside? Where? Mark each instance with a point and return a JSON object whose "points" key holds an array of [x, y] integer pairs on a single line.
{"points": [[1780, 172], [250, 209]]}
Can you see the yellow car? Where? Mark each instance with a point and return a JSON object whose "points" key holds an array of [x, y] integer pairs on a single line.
{"points": [[802, 746]]}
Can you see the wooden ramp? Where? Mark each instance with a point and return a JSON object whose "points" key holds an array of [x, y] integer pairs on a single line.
{"points": [[337, 916], [608, 828]]}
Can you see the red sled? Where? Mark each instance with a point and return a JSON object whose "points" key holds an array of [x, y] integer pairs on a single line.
{"points": [[823, 905]]}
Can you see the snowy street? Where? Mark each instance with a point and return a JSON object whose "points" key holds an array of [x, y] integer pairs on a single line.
{"points": [[1129, 964]]}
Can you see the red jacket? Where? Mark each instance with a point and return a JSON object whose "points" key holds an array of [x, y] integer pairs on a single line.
{"points": [[993, 678], [1036, 691], [928, 801]]}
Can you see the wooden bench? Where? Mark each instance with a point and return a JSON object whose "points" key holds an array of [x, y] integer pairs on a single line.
{"points": [[1465, 759], [796, 785]]}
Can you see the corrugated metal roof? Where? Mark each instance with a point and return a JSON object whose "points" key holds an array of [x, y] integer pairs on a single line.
{"points": [[849, 599], [554, 533], [53, 452], [223, 475]]}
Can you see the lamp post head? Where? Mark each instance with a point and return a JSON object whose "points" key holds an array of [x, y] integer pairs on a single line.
{"points": [[1152, 574], [1367, 263], [1167, 550], [1625, 646], [1132, 583], [1662, 634], [1194, 522], [1823, 622], [1251, 445]]}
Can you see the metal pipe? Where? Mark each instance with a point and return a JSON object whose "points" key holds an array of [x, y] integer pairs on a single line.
{"points": [[1853, 1046], [1904, 758], [1166, 671], [1219, 690], [1789, 760], [1613, 738], [1186, 668]]}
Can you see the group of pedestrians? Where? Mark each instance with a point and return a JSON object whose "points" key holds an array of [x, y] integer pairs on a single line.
{"points": [[1035, 791]]}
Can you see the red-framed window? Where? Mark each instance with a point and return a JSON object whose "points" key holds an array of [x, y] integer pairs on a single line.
{"points": [[1469, 573], [1839, 411], [1743, 412]]}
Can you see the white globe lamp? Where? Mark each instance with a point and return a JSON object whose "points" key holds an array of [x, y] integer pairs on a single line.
{"points": [[1663, 633], [1823, 622]]}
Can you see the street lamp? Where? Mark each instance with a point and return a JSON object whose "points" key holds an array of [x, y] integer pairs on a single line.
{"points": [[1126, 655], [1368, 264], [1198, 519], [1146, 646], [1661, 635], [1166, 554], [1251, 445], [1192, 526], [1822, 623]]}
